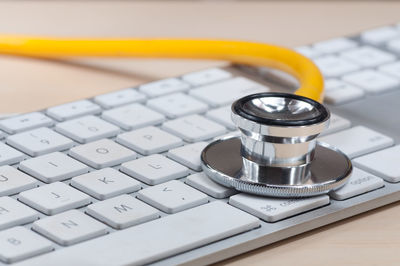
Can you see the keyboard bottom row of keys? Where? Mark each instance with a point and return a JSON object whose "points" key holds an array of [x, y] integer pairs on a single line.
{"points": [[140, 244]]}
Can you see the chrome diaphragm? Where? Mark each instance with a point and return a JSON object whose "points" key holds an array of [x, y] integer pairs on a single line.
{"points": [[277, 153]]}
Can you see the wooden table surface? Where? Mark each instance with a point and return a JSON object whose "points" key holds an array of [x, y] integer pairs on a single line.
{"points": [[26, 84]]}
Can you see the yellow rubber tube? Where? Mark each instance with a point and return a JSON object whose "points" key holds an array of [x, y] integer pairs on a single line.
{"points": [[249, 53]]}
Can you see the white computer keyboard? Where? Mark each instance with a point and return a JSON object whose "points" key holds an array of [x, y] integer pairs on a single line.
{"points": [[116, 179]]}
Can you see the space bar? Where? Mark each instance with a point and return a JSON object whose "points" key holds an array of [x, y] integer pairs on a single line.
{"points": [[155, 240]]}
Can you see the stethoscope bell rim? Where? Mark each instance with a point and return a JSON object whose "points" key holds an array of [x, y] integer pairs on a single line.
{"points": [[267, 159], [221, 160]]}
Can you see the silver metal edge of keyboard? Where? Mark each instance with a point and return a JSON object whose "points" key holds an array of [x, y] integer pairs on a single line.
{"points": [[270, 233]]}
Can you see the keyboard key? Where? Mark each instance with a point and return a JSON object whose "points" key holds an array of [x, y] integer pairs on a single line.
{"points": [[222, 115], [380, 35], [336, 124], [372, 81], [196, 228], [173, 196], [392, 69], [19, 243], [122, 212], [165, 86], [69, 227], [102, 153], [24, 122], [206, 76], [308, 51], [383, 163], [226, 92], [87, 128], [368, 56], [188, 155], [105, 183], [394, 45], [39, 141], [149, 140], [275, 209], [9, 155], [121, 97], [334, 45], [154, 169], [13, 213], [53, 167], [177, 104], [203, 183], [54, 198], [74, 109], [193, 128], [133, 116], [357, 141], [360, 182], [333, 66], [339, 92], [13, 181]]}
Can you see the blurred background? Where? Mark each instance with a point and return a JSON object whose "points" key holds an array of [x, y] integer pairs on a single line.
{"points": [[290, 23]]}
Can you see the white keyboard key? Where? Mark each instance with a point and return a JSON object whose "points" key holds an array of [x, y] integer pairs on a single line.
{"points": [[133, 116], [360, 182], [87, 128], [13, 181], [177, 104], [69, 227], [275, 209], [333, 66], [380, 35], [14, 213], [201, 182], [368, 56], [173, 196], [121, 97], [102, 153], [394, 45], [53, 167], [336, 124], [196, 227], [392, 69], [308, 51], [54, 198], [154, 169], [206, 76], [165, 86], [39, 141], [149, 140], [24, 122], [105, 183], [372, 81], [74, 109], [9, 155], [383, 163], [226, 92], [334, 45], [357, 141], [122, 212], [188, 155], [338, 92], [19, 243], [222, 115], [193, 128]]}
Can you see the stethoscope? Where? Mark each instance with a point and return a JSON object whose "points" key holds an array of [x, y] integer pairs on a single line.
{"points": [[277, 153]]}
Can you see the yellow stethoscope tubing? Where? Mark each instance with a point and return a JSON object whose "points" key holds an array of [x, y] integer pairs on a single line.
{"points": [[241, 52]]}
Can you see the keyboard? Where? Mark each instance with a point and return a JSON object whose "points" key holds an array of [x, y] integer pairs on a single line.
{"points": [[116, 179]]}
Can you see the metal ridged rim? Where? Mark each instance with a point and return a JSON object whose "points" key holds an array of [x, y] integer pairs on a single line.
{"points": [[275, 190]]}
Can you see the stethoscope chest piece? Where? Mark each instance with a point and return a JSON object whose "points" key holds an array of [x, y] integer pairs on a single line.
{"points": [[277, 153]]}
